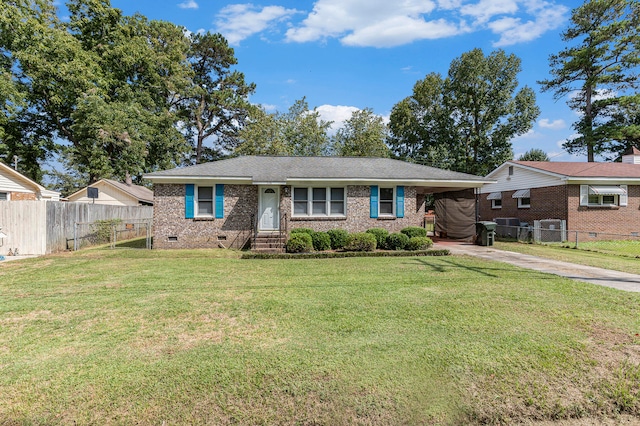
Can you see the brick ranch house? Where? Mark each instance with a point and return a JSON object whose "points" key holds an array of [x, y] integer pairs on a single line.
{"points": [[592, 197], [220, 204]]}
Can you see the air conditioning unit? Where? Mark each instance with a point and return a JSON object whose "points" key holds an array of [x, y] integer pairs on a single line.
{"points": [[550, 231], [507, 226]]}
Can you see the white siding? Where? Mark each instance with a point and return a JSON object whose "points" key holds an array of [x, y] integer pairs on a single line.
{"points": [[8, 184], [107, 195], [521, 179]]}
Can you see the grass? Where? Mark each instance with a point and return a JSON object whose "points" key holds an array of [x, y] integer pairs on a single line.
{"points": [[629, 248], [201, 336], [609, 260]]}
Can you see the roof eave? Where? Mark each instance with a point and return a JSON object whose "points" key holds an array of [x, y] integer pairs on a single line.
{"points": [[576, 180]]}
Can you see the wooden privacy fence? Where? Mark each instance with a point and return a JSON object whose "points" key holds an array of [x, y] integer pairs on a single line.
{"points": [[39, 227]]}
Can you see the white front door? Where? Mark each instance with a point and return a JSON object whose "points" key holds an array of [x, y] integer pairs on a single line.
{"points": [[269, 212]]}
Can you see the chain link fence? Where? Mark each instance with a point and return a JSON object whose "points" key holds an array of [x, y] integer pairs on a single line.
{"points": [[118, 233], [554, 232]]}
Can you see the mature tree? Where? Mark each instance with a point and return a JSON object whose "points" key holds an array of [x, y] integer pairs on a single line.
{"points": [[22, 133], [534, 154], [422, 128], [104, 84], [466, 121], [622, 131], [217, 104], [600, 62], [363, 135], [299, 131]]}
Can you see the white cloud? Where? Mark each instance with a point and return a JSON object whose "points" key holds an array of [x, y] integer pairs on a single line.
{"points": [[336, 113], [383, 23], [545, 123], [239, 21], [543, 16], [486, 9], [379, 23], [188, 4]]}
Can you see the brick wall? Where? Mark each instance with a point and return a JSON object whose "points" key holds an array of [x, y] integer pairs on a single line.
{"points": [[546, 203], [549, 203], [22, 196], [358, 213], [172, 230], [612, 220]]}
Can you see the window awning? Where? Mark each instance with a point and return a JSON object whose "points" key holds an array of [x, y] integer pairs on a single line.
{"points": [[522, 193], [495, 196], [606, 190]]}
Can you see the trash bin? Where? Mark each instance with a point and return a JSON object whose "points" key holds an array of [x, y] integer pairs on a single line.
{"points": [[485, 233]]}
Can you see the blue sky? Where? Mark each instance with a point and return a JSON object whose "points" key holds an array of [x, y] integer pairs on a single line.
{"points": [[354, 54]]}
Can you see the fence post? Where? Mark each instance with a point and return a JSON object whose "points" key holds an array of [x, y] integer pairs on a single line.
{"points": [[576, 239], [75, 236]]}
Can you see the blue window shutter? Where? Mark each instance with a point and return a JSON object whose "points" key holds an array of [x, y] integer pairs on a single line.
{"points": [[188, 200], [399, 201], [219, 201], [374, 201]]}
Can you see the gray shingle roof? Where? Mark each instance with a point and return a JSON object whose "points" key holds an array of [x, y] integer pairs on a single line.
{"points": [[283, 169], [136, 191]]}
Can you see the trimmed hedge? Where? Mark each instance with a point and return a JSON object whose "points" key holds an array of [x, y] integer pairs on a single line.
{"points": [[381, 235], [299, 242], [414, 231], [341, 254], [361, 241], [419, 243], [321, 241], [302, 231], [338, 238], [397, 241]]}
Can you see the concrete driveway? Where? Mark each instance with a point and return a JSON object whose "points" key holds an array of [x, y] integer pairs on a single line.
{"points": [[590, 274]]}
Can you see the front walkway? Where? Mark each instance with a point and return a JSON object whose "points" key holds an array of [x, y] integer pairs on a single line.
{"points": [[590, 274]]}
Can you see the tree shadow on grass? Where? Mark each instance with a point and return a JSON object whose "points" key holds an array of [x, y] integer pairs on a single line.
{"points": [[453, 264]]}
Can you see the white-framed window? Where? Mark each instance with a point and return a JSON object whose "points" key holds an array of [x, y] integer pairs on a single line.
{"points": [[386, 202], [524, 198], [496, 200], [4, 196], [204, 201], [603, 195], [319, 201]]}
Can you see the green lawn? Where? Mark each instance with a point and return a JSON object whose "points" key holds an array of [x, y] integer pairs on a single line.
{"points": [[612, 260], [203, 337]]}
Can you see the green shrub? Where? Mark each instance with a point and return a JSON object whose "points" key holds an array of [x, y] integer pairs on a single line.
{"points": [[419, 243], [321, 241], [414, 231], [361, 241], [299, 242], [338, 238], [302, 231], [397, 241], [343, 254], [381, 235]]}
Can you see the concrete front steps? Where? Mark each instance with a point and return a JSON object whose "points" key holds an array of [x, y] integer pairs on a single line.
{"points": [[269, 242]]}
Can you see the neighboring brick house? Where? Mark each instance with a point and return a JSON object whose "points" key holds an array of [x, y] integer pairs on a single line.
{"points": [[115, 193], [14, 186], [219, 204], [592, 197]]}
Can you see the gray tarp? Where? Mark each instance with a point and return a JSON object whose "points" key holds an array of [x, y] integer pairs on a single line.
{"points": [[456, 214]]}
